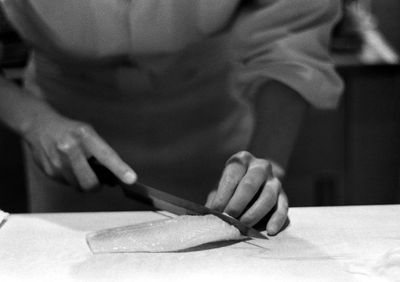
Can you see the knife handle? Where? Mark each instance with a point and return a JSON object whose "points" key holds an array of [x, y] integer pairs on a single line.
{"points": [[104, 175]]}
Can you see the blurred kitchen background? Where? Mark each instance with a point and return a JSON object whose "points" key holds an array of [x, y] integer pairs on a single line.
{"points": [[346, 156]]}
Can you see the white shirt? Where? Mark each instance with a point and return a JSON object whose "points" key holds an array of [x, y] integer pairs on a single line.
{"points": [[168, 83]]}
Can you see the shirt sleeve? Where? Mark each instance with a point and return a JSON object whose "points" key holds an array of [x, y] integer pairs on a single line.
{"points": [[13, 53], [288, 41]]}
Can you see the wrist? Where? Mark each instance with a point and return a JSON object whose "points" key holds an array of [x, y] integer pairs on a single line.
{"points": [[21, 110], [31, 120]]}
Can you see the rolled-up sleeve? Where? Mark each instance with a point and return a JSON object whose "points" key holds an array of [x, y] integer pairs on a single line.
{"points": [[288, 41]]}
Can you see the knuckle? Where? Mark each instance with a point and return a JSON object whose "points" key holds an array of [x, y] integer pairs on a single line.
{"points": [[243, 155], [230, 179], [67, 145], [275, 184], [260, 168], [111, 156], [84, 130], [264, 164], [56, 163], [250, 182], [50, 172]]}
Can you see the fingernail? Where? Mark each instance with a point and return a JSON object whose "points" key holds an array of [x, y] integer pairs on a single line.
{"points": [[130, 177], [272, 229]]}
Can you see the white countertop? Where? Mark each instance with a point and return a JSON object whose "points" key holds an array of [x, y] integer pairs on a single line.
{"points": [[353, 243]]}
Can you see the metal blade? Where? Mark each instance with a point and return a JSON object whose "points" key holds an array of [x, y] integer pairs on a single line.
{"points": [[165, 201]]}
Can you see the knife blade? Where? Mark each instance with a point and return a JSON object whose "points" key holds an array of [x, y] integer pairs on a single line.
{"points": [[165, 201]]}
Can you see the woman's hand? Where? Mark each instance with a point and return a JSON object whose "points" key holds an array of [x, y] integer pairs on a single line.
{"points": [[61, 147], [248, 191]]}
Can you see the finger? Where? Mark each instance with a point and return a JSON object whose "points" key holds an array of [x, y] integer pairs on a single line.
{"points": [[248, 187], [267, 200], [280, 215], [210, 198], [46, 166], [58, 173], [242, 157], [231, 177], [95, 145], [68, 177], [60, 164], [84, 175]]}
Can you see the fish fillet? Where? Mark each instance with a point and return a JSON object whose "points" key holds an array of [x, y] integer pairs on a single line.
{"points": [[168, 235]]}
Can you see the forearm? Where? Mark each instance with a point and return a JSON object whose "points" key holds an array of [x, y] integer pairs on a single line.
{"points": [[279, 112], [20, 109]]}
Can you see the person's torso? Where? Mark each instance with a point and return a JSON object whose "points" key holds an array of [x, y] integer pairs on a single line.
{"points": [[153, 79]]}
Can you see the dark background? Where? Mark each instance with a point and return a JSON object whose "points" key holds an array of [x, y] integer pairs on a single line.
{"points": [[350, 155]]}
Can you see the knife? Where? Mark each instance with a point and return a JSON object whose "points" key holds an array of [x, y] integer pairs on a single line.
{"points": [[165, 201]]}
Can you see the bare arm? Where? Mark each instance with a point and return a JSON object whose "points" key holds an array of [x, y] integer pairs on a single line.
{"points": [[19, 109], [279, 112], [283, 46], [60, 146]]}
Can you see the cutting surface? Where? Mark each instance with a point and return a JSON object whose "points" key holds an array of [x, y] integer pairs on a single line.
{"points": [[329, 244]]}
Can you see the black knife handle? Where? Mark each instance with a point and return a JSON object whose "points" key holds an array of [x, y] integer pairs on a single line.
{"points": [[104, 175]]}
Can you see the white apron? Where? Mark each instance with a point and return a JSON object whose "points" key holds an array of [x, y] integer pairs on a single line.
{"points": [[168, 83]]}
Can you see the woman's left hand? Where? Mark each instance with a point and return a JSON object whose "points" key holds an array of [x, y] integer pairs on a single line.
{"points": [[248, 191]]}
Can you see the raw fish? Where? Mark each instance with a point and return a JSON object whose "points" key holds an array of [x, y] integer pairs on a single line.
{"points": [[173, 234]]}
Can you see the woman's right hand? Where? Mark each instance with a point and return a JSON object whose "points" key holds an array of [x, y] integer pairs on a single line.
{"points": [[61, 147]]}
